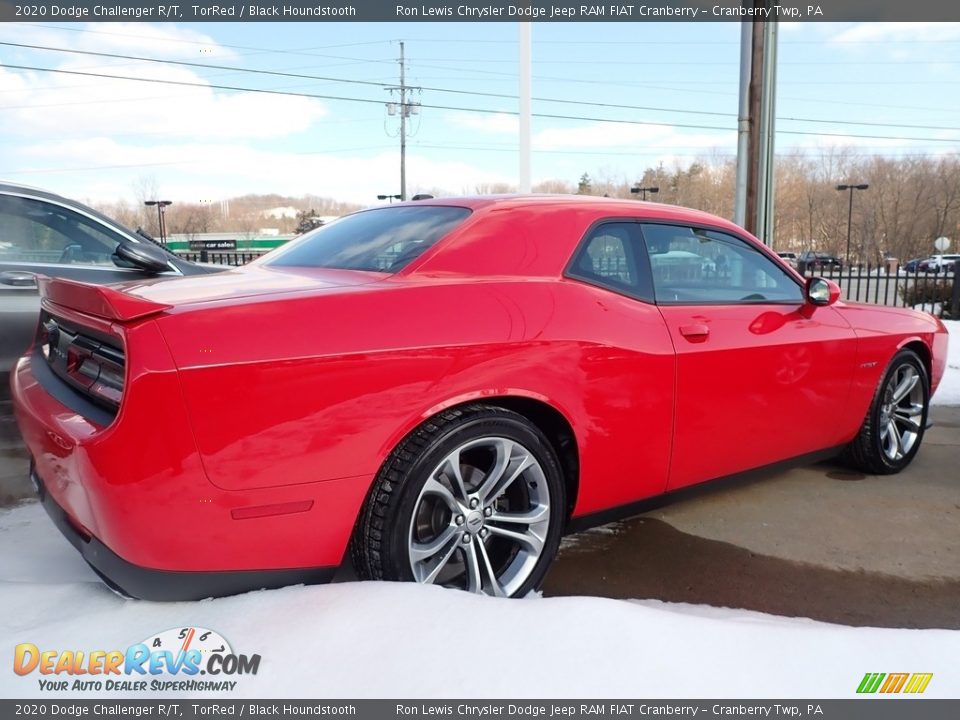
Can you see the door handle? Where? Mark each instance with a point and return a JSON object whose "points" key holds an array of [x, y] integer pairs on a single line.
{"points": [[18, 278], [697, 331]]}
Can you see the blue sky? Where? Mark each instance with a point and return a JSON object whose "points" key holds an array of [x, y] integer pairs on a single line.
{"points": [[95, 137]]}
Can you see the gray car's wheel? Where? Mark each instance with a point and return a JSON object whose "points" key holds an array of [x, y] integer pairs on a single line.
{"points": [[472, 499], [893, 429]]}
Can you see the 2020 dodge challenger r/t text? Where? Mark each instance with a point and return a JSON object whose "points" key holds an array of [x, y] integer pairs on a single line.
{"points": [[444, 388]]}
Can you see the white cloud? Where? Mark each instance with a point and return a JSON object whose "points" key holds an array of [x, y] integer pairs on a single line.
{"points": [[205, 172], [37, 104], [112, 108], [140, 39], [595, 134], [628, 135]]}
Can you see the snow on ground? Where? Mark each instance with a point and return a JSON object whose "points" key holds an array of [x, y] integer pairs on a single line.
{"points": [[390, 640], [395, 640], [949, 391]]}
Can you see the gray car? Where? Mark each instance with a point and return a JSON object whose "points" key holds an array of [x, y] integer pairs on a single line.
{"points": [[45, 234]]}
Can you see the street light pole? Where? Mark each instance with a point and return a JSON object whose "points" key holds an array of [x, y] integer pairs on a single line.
{"points": [[851, 188], [644, 190], [162, 205]]}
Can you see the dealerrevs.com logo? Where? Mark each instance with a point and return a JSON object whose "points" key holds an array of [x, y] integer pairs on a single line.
{"points": [[178, 660]]}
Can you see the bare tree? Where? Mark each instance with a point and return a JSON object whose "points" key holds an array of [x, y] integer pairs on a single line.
{"points": [[146, 187]]}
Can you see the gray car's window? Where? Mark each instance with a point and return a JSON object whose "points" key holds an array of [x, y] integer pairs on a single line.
{"points": [[383, 240], [692, 266], [35, 231]]}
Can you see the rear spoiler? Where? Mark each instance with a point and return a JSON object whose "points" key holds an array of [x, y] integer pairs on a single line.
{"points": [[99, 300]]}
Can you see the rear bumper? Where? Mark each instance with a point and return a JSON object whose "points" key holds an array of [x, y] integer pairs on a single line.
{"points": [[146, 584], [133, 498]]}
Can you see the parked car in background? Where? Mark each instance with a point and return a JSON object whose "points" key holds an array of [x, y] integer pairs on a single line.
{"points": [[813, 261], [45, 234], [443, 388], [939, 263], [912, 266], [790, 258]]}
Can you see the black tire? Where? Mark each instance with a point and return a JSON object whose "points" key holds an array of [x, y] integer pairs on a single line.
{"points": [[866, 452], [379, 547]]}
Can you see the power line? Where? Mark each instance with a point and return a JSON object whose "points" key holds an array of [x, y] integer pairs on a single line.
{"points": [[477, 93], [553, 116], [686, 43], [507, 77], [186, 63], [674, 63]]}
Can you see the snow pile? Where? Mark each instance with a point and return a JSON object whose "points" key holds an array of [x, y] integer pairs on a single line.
{"points": [[935, 309], [949, 391], [389, 640]]}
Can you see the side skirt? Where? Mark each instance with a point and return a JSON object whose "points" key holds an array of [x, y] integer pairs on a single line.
{"points": [[622, 512]]}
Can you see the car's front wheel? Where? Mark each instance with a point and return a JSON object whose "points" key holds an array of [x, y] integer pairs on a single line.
{"points": [[472, 499], [893, 429]]}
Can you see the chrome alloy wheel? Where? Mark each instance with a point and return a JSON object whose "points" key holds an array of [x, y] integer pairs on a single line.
{"points": [[481, 520], [901, 412]]}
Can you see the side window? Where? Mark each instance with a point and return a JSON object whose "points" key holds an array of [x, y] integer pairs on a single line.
{"points": [[34, 231], [691, 266], [609, 258]]}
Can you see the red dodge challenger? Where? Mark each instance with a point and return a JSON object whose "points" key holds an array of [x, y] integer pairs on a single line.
{"points": [[446, 388]]}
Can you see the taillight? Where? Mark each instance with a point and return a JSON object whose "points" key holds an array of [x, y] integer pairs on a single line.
{"points": [[87, 363], [97, 373], [109, 383]]}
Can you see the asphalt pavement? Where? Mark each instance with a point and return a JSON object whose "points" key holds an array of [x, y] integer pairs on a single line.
{"points": [[819, 541]]}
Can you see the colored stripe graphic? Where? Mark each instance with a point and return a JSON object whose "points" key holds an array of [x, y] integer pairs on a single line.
{"points": [[918, 683], [870, 682], [895, 682]]}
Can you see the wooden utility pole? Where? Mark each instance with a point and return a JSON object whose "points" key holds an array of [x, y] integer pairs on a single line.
{"points": [[753, 148], [753, 207]]}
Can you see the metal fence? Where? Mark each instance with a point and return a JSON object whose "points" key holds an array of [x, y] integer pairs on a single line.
{"points": [[234, 258], [937, 293]]}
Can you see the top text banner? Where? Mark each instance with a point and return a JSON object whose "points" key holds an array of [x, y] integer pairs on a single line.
{"points": [[489, 11]]}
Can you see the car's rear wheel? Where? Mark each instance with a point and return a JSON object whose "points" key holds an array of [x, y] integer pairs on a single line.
{"points": [[473, 499], [893, 429]]}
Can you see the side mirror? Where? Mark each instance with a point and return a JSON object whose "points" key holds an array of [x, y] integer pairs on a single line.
{"points": [[822, 292], [144, 256]]}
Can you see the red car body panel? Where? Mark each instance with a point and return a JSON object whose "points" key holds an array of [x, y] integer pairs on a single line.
{"points": [[260, 403], [761, 378]]}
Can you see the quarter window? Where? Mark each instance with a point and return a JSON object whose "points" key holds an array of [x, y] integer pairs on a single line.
{"points": [[693, 266], [609, 258]]}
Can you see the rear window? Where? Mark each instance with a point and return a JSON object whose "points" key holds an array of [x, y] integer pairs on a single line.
{"points": [[383, 240]]}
